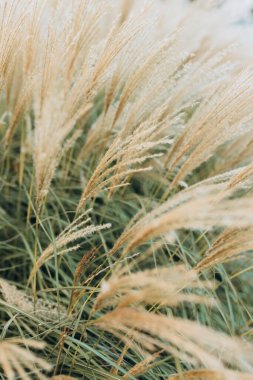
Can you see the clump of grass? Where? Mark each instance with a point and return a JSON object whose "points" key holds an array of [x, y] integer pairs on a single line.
{"points": [[126, 192]]}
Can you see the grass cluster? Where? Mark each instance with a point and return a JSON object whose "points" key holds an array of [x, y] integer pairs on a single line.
{"points": [[126, 223]]}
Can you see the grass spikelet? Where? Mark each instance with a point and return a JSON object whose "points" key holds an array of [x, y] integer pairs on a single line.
{"points": [[163, 286], [77, 230], [229, 244]]}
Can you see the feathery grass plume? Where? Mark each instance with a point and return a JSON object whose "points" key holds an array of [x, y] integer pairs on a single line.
{"points": [[242, 179], [45, 309], [235, 154], [163, 286], [201, 207], [8, 44], [212, 375], [216, 186], [20, 77], [228, 245], [126, 153], [16, 360], [191, 342], [12, 16], [188, 340], [229, 118], [76, 230]]}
